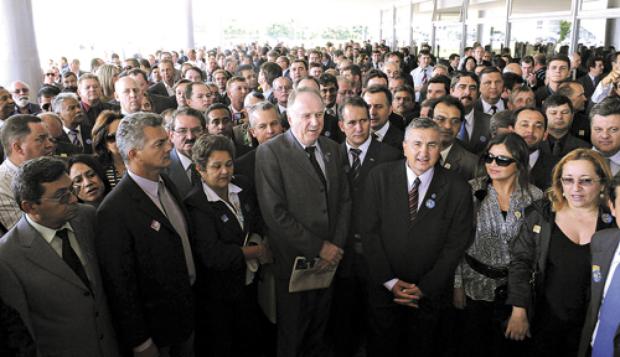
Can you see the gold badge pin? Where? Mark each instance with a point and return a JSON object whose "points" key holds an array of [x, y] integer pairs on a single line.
{"points": [[518, 214], [536, 228]]}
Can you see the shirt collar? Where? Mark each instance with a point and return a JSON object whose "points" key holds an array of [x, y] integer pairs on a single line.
{"points": [[364, 147], [487, 107], [47, 233], [469, 117], [213, 197], [425, 178], [185, 161], [445, 152], [381, 132], [148, 186], [615, 158], [67, 130], [533, 158], [316, 143]]}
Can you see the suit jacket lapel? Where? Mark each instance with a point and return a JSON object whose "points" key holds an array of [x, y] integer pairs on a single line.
{"points": [[146, 204], [330, 162], [434, 193], [39, 252], [371, 158], [603, 259], [400, 193], [85, 240], [300, 158]]}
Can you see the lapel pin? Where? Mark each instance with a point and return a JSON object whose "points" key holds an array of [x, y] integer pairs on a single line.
{"points": [[89, 141], [328, 133], [606, 218], [597, 277], [536, 228], [433, 195], [372, 159], [518, 214], [447, 165], [430, 203], [155, 225], [327, 156], [224, 218], [483, 139]]}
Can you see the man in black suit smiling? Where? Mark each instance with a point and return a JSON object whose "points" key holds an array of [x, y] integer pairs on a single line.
{"points": [[143, 246], [416, 224]]}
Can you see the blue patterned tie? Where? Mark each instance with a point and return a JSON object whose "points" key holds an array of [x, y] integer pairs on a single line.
{"points": [[609, 319]]}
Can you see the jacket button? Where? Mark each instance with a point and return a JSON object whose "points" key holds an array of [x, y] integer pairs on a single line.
{"points": [[101, 337], [86, 293]]}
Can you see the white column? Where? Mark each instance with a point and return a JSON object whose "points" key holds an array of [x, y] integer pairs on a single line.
{"points": [[188, 15], [19, 58]]}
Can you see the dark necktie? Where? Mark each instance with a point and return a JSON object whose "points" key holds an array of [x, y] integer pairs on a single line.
{"points": [[424, 77], [195, 178], [557, 148], [310, 151], [71, 258], [73, 135], [356, 165], [609, 318], [493, 109], [413, 200]]}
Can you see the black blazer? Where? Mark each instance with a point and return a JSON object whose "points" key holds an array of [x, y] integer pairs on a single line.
{"points": [[87, 141], [581, 126], [570, 143], [603, 248], [588, 86], [94, 110], [481, 133], [540, 174], [378, 153], [394, 137], [177, 174], [143, 267], [331, 128], [426, 252], [158, 88], [218, 239], [461, 161], [479, 108]]}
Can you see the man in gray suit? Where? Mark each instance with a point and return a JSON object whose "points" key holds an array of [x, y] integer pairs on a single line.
{"points": [[48, 269], [304, 198], [186, 126], [601, 331]]}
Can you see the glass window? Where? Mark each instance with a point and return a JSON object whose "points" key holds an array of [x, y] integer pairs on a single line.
{"points": [[592, 32], [480, 10], [529, 7], [451, 15], [532, 33], [402, 25], [493, 34], [442, 4], [600, 4], [422, 22], [448, 38]]}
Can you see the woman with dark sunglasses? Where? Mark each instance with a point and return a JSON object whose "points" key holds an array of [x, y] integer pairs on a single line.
{"points": [[104, 146], [549, 275], [500, 198]]}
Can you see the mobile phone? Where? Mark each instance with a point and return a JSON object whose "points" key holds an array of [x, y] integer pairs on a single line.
{"points": [[238, 117]]}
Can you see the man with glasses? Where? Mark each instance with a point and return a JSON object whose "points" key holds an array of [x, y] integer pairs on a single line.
{"points": [[23, 137], [282, 86], [186, 126], [20, 91], [531, 124], [448, 113], [48, 268]]}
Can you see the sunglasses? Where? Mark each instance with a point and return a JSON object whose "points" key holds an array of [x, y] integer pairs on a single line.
{"points": [[499, 160], [111, 138]]}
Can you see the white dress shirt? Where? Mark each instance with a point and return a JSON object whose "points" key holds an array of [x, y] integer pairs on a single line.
{"points": [[469, 123], [50, 237], [318, 154], [425, 182], [364, 148], [233, 204], [533, 158], [486, 107], [381, 132]]}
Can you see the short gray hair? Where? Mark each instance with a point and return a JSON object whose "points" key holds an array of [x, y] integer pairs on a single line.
{"points": [[420, 123], [295, 93], [259, 107], [60, 98], [130, 132]]}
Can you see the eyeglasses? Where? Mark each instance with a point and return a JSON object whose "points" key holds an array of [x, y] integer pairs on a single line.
{"points": [[500, 160], [184, 131], [65, 197], [111, 138], [49, 74], [22, 90], [583, 182]]}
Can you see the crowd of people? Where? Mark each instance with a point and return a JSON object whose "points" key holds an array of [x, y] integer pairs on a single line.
{"points": [[346, 200]]}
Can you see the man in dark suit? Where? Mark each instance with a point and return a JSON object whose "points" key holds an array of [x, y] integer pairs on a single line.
{"points": [[491, 89], [166, 86], [581, 122], [158, 101], [304, 198], [601, 329], [531, 124], [476, 129], [186, 126], [89, 90], [48, 267], [348, 325], [605, 119], [264, 124], [448, 113], [75, 130], [416, 224], [559, 112], [144, 248], [596, 66], [379, 101]]}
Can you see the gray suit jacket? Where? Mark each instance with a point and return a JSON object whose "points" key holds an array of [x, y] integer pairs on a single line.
{"points": [[177, 174], [63, 316], [603, 248], [298, 213]]}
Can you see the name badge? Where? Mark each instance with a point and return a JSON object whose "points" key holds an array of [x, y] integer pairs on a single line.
{"points": [[596, 274]]}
